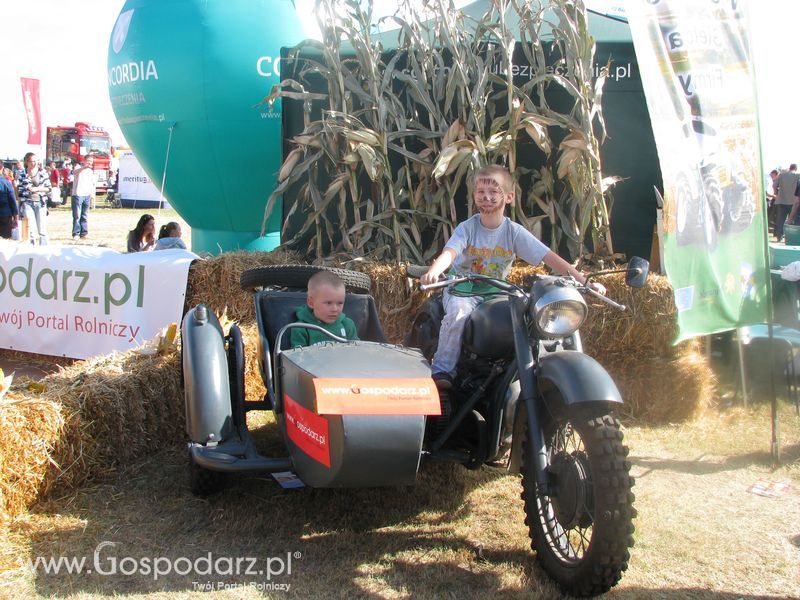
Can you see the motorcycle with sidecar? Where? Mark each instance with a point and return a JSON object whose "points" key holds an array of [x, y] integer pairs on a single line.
{"points": [[367, 413]]}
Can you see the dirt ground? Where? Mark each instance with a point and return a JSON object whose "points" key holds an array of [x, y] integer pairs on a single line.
{"points": [[701, 531]]}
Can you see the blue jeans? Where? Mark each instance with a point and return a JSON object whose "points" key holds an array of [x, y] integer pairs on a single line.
{"points": [[36, 213], [457, 310], [781, 212], [80, 215]]}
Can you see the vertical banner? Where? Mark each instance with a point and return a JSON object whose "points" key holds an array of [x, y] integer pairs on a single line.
{"points": [[696, 69], [30, 100]]}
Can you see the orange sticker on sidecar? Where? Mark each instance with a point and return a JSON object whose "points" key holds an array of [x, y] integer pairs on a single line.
{"points": [[360, 396], [308, 431]]}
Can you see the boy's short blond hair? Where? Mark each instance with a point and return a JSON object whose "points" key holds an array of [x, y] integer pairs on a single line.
{"points": [[498, 172], [321, 278]]}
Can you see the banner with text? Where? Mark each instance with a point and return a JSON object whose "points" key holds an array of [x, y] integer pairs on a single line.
{"points": [[30, 100], [81, 302], [694, 60], [135, 187]]}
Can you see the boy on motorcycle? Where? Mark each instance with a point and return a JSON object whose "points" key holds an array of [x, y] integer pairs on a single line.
{"points": [[487, 244]]}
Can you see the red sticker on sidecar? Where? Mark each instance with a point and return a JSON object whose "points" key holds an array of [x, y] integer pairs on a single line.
{"points": [[377, 396], [308, 431]]}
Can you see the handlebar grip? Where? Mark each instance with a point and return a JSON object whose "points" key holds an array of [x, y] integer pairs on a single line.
{"points": [[435, 286], [605, 299]]}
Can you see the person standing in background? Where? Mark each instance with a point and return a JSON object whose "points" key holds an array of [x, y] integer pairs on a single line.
{"points": [[785, 187], [33, 185], [66, 179], [19, 167], [55, 179], [770, 184], [9, 213], [83, 191]]}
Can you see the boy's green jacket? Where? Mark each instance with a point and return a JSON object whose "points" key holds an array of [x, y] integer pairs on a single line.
{"points": [[343, 327]]}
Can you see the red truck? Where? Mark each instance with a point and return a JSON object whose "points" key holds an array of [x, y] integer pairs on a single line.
{"points": [[77, 141]]}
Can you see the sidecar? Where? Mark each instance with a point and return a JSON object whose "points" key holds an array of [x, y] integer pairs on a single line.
{"points": [[351, 414]]}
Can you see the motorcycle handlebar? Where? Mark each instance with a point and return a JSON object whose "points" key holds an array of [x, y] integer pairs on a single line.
{"points": [[509, 287], [605, 299], [443, 283]]}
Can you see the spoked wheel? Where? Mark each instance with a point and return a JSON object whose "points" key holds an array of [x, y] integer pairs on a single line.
{"points": [[582, 530]]}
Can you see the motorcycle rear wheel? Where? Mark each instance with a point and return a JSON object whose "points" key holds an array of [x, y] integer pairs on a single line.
{"points": [[582, 531]]}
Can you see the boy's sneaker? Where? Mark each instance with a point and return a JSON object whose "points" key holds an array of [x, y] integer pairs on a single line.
{"points": [[443, 381]]}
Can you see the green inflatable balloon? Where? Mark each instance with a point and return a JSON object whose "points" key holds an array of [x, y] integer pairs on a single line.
{"points": [[186, 78]]}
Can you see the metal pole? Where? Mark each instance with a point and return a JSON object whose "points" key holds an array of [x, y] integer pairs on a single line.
{"points": [[774, 445], [164, 176], [742, 373]]}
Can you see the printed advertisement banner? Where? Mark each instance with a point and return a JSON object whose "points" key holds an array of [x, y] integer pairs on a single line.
{"points": [[696, 69], [134, 184], [376, 396], [30, 100], [81, 302], [308, 430]]}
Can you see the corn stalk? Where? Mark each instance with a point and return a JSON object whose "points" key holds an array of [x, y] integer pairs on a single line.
{"points": [[384, 171]]}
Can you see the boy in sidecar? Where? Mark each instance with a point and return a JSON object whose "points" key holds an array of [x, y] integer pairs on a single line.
{"points": [[486, 244], [324, 304]]}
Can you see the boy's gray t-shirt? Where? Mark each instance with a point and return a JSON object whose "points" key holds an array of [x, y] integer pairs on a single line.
{"points": [[491, 252]]}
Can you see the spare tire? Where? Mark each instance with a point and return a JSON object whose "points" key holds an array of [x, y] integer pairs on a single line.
{"points": [[297, 276]]}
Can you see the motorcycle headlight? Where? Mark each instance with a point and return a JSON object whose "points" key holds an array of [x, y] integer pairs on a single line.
{"points": [[559, 312]]}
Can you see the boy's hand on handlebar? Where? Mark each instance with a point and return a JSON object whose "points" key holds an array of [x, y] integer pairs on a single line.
{"points": [[430, 277], [598, 287]]}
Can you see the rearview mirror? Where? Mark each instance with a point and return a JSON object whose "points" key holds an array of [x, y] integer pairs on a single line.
{"points": [[636, 276]]}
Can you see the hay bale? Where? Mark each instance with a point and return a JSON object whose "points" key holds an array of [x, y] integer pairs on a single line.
{"points": [[253, 383], [78, 424], [660, 382], [215, 281], [393, 297], [40, 438], [658, 391], [649, 324]]}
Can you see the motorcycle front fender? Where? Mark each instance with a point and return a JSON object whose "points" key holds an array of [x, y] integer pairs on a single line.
{"points": [[566, 381], [579, 379]]}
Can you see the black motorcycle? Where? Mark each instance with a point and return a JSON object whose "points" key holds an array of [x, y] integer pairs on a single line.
{"points": [[527, 397]]}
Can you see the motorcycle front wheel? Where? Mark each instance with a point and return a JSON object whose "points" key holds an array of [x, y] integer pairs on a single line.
{"points": [[582, 527]]}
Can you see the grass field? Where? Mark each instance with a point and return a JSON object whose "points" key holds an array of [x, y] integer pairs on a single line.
{"points": [[701, 532], [108, 227]]}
